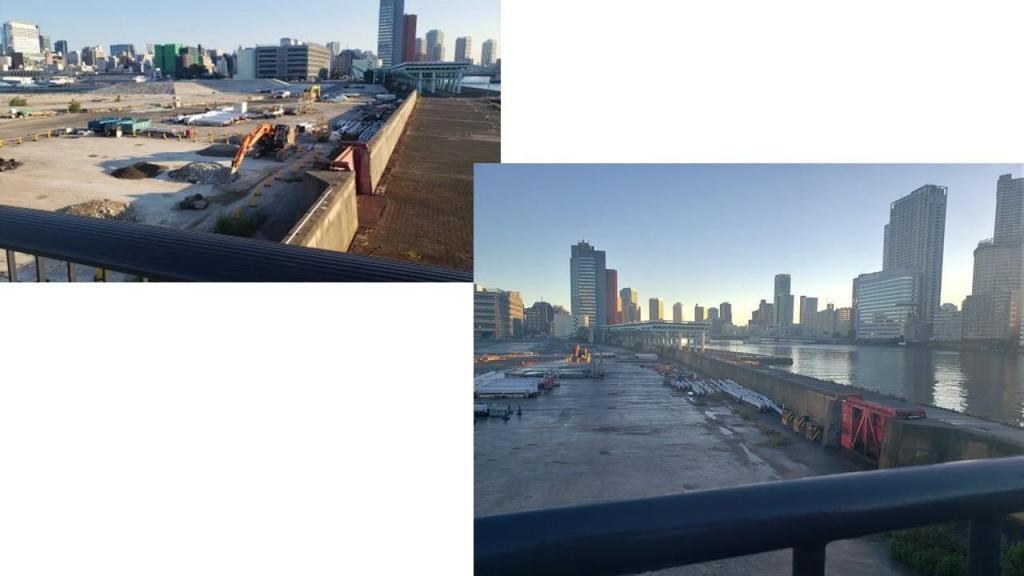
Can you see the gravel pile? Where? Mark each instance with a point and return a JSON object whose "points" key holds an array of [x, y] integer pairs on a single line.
{"points": [[138, 171], [103, 209], [9, 164], [201, 173]]}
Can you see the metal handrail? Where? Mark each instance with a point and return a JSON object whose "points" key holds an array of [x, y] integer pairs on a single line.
{"points": [[160, 253], [805, 515]]}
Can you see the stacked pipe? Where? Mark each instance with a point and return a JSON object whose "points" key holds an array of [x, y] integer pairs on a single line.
{"points": [[759, 401]]}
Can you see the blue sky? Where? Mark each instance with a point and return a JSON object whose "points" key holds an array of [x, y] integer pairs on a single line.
{"points": [[226, 25], [704, 234]]}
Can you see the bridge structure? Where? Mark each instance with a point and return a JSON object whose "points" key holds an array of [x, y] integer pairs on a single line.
{"points": [[429, 77], [658, 334]]}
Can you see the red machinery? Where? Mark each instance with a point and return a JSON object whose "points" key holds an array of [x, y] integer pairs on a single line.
{"points": [[864, 423]]}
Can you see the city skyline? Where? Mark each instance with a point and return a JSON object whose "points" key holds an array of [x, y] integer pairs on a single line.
{"points": [[352, 24], [826, 243]]}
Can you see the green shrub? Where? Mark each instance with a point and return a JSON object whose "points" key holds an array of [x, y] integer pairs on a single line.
{"points": [[19, 101], [1013, 560], [74, 106], [238, 224]]}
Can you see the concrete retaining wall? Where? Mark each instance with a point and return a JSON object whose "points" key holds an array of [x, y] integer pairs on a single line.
{"points": [[331, 216], [383, 143], [916, 442], [821, 406]]}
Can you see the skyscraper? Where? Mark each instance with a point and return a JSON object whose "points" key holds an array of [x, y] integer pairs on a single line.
{"points": [[914, 239], [656, 309], [993, 310], [588, 283], [630, 305], [677, 312], [725, 309], [808, 308], [489, 53], [612, 303], [61, 46], [409, 38], [390, 32], [1009, 227], [435, 46], [463, 49], [698, 313], [783, 301], [420, 49]]}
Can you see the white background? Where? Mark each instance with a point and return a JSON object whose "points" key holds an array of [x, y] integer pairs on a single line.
{"points": [[298, 429]]}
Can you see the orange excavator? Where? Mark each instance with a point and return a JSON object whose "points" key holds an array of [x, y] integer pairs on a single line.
{"points": [[263, 139]]}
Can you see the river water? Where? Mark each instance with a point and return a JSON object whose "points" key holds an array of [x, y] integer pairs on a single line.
{"points": [[983, 383]]}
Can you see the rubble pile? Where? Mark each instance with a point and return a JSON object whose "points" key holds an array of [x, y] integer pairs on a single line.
{"points": [[9, 164], [201, 173], [102, 209]]}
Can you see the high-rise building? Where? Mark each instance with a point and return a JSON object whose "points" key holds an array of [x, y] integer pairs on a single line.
{"points": [[44, 44], [630, 305], [698, 313], [808, 308], [655, 310], [886, 304], [725, 309], [1009, 227], [421, 50], [165, 57], [61, 46], [677, 312], [409, 39], [783, 302], [588, 283], [497, 314], [844, 322], [292, 61], [19, 37], [993, 310], [613, 305], [914, 239], [464, 49], [489, 53], [435, 46], [390, 32], [91, 55]]}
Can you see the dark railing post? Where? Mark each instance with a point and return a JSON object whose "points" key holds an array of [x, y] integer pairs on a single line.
{"points": [[809, 560], [71, 272], [984, 536], [12, 267], [40, 269]]}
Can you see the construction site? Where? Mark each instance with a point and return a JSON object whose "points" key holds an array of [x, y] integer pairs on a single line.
{"points": [[323, 166], [558, 424]]}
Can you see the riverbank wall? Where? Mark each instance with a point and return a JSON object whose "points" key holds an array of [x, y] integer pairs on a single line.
{"points": [[934, 439]]}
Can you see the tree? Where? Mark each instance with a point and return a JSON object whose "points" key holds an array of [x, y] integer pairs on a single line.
{"points": [[1013, 560], [74, 106]]}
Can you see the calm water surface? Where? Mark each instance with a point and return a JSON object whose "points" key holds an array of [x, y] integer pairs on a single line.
{"points": [[983, 383]]}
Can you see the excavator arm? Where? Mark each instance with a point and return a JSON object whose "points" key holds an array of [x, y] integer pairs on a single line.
{"points": [[261, 131]]}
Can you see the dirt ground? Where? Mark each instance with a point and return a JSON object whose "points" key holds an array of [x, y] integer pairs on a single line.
{"points": [[425, 211]]}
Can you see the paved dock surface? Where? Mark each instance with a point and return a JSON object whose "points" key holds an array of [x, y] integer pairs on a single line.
{"points": [[427, 211], [629, 436]]}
